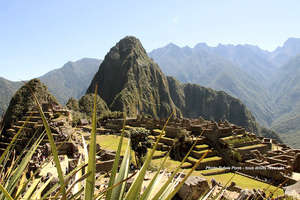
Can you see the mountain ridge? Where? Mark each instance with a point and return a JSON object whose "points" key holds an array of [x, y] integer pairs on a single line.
{"points": [[71, 80], [127, 75], [261, 79]]}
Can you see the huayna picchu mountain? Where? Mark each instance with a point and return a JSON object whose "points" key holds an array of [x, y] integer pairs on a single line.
{"points": [[128, 80]]}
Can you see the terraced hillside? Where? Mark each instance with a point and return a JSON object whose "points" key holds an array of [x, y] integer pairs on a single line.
{"points": [[230, 147]]}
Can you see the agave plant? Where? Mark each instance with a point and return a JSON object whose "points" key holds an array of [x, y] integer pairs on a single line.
{"points": [[70, 186]]}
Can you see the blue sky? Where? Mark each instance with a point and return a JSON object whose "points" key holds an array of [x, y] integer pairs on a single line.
{"points": [[37, 36]]}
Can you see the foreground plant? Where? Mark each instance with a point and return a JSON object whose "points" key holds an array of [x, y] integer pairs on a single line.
{"points": [[13, 181]]}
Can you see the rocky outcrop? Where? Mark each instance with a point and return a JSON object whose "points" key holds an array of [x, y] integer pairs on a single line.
{"points": [[193, 188]]}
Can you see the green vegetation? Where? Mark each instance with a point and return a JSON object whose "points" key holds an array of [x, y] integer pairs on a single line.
{"points": [[139, 143], [110, 142], [213, 170], [239, 139], [86, 104], [271, 93]]}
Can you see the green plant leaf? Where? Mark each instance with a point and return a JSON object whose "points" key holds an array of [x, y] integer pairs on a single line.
{"points": [[172, 194], [38, 193], [155, 180], [164, 187], [13, 180], [90, 181], [53, 147], [12, 142], [118, 192], [6, 194], [116, 162], [67, 177], [134, 190], [31, 189]]}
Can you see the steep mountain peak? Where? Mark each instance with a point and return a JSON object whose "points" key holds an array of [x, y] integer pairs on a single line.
{"points": [[172, 46], [290, 49], [129, 45], [130, 81]]}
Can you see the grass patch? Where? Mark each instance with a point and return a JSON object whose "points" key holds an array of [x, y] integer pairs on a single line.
{"points": [[239, 139], [110, 142], [169, 165]]}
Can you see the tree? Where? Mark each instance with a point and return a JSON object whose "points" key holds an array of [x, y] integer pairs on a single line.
{"points": [[140, 143]]}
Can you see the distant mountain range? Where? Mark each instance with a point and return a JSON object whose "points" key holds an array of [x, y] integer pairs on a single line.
{"points": [[267, 82], [130, 81], [71, 80]]}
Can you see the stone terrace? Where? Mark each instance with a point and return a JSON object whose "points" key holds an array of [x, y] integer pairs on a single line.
{"points": [[228, 144]]}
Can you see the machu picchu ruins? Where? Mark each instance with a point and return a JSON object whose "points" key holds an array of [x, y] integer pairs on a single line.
{"points": [[131, 116]]}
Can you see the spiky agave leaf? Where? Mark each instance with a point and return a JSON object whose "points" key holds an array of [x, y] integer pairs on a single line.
{"points": [[12, 142], [116, 162], [53, 146], [224, 188], [134, 190], [16, 175], [172, 194], [163, 188], [28, 194], [38, 194], [90, 181], [5, 193], [155, 180], [118, 192], [66, 179]]}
